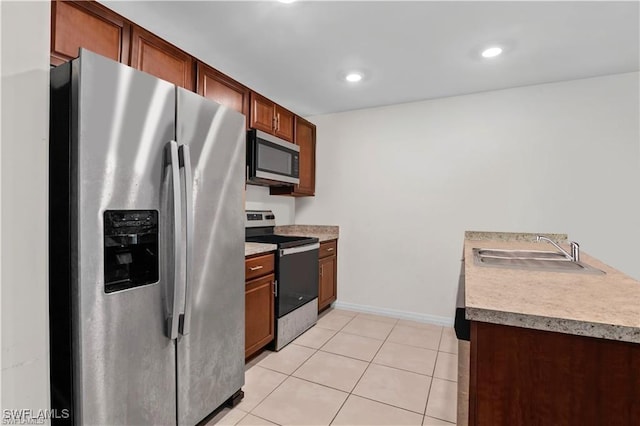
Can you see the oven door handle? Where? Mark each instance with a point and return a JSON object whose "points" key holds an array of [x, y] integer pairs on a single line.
{"points": [[300, 249]]}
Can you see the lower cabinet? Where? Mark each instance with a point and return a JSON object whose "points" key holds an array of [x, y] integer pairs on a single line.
{"points": [[328, 272], [522, 376], [259, 303]]}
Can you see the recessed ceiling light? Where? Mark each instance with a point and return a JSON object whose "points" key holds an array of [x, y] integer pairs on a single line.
{"points": [[353, 77], [491, 52], [286, 1]]}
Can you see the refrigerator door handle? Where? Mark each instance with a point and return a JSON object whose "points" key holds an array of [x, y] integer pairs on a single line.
{"points": [[173, 162], [185, 163]]}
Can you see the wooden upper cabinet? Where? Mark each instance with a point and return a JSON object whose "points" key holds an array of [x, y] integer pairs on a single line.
{"points": [[262, 113], [305, 138], [269, 117], [155, 56], [214, 85], [76, 24], [284, 123]]}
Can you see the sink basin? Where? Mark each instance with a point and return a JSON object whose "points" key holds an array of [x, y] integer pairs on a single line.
{"points": [[533, 260], [526, 254]]}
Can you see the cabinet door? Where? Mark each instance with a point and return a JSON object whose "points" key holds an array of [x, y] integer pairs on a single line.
{"points": [[262, 113], [327, 291], [259, 314], [306, 140], [155, 56], [214, 85], [284, 123], [89, 25]]}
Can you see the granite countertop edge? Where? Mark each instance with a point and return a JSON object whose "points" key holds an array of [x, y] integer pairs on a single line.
{"points": [[321, 232], [559, 325], [251, 249]]}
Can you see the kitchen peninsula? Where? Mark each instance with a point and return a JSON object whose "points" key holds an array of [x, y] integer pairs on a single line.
{"points": [[549, 347]]}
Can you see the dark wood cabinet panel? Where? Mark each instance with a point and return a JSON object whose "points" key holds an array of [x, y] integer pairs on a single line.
{"points": [[328, 273], [259, 314], [284, 123], [76, 24], [328, 248], [521, 376], [257, 266], [270, 117], [155, 56], [262, 113], [305, 138], [218, 87]]}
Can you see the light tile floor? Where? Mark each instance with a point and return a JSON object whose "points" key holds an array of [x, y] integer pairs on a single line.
{"points": [[353, 369]]}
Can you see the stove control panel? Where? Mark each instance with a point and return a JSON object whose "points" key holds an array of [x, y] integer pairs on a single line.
{"points": [[259, 218]]}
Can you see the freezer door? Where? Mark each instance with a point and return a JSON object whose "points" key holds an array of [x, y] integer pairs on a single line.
{"points": [[121, 286], [211, 348]]}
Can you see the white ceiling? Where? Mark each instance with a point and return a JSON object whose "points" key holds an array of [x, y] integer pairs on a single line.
{"points": [[295, 53]]}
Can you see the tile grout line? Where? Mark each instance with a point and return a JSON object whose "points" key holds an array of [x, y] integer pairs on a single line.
{"points": [[388, 405], [360, 378], [358, 381], [433, 377], [348, 394], [362, 375], [272, 391], [290, 375]]}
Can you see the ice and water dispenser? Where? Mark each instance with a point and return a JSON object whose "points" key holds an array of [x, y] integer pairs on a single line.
{"points": [[130, 249]]}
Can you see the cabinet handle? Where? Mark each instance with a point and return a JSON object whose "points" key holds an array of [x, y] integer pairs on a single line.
{"points": [[330, 249], [275, 288], [321, 268], [274, 123], [255, 268], [278, 122]]}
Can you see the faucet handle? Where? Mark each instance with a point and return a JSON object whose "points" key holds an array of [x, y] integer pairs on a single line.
{"points": [[575, 251]]}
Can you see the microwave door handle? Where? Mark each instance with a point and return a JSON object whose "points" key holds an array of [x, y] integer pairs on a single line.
{"points": [[172, 162], [185, 164]]}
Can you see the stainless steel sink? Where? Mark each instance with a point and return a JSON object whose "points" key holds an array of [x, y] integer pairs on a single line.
{"points": [[527, 254], [533, 260]]}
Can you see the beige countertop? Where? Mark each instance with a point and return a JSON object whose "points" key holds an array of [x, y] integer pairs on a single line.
{"points": [[603, 306], [321, 232], [257, 248]]}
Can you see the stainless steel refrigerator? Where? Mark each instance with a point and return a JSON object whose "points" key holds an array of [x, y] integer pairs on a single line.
{"points": [[147, 248]]}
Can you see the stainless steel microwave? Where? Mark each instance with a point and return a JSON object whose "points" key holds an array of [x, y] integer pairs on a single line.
{"points": [[271, 161]]}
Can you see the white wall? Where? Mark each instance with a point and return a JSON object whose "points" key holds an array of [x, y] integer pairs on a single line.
{"points": [[404, 182], [284, 207], [24, 205]]}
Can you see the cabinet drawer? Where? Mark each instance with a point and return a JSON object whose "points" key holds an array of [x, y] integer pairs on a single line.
{"points": [[328, 248], [258, 266]]}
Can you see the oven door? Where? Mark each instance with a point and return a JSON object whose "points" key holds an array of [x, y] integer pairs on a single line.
{"points": [[297, 277], [271, 160]]}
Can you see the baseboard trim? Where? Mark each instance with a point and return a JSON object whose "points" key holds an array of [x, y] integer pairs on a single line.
{"points": [[393, 313]]}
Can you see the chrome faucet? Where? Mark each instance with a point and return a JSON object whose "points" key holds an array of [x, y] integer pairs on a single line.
{"points": [[574, 256]]}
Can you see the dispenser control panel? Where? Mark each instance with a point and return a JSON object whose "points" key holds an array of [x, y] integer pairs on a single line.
{"points": [[130, 249]]}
